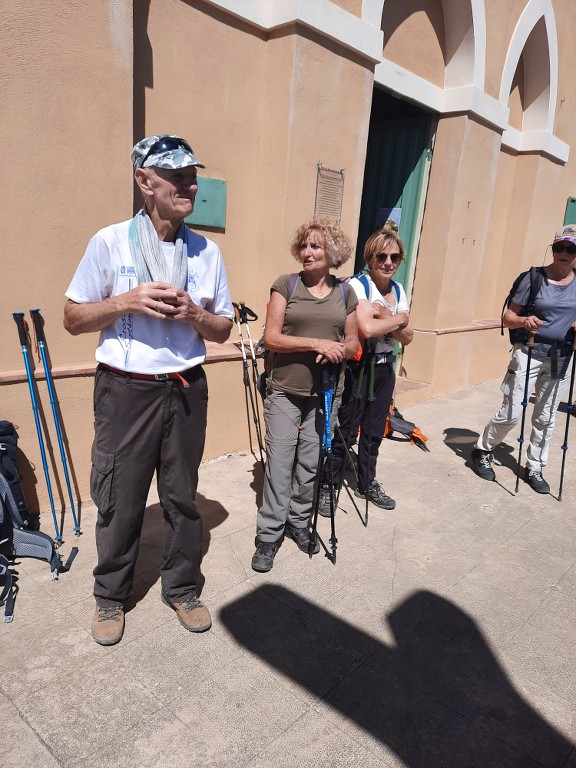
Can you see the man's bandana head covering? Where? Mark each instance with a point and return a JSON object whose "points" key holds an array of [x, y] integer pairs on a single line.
{"points": [[566, 233], [164, 151]]}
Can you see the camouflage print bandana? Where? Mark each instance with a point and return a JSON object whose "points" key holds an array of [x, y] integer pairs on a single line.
{"points": [[164, 151]]}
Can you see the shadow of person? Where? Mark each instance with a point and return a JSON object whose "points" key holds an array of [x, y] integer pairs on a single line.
{"points": [[462, 442], [257, 482], [29, 482], [437, 698], [150, 554]]}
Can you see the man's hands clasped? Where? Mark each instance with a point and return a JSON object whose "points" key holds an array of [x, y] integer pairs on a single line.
{"points": [[163, 301]]}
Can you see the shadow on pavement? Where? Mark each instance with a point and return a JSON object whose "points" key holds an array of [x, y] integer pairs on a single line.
{"points": [[437, 698], [150, 558], [462, 442], [257, 482]]}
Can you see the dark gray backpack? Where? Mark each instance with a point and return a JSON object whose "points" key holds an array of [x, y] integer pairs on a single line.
{"points": [[17, 541]]}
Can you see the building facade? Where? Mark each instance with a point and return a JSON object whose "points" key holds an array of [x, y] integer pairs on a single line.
{"points": [[455, 117]]}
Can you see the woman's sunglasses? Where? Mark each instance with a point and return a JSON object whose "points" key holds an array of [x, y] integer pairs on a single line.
{"points": [[561, 247], [395, 258]]}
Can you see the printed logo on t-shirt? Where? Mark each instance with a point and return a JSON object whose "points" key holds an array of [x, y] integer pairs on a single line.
{"points": [[127, 271], [192, 281]]}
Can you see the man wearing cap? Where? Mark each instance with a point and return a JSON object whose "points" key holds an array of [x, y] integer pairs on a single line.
{"points": [[156, 291], [548, 322]]}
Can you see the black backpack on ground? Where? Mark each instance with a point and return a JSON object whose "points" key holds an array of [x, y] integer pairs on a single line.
{"points": [[9, 468], [537, 278], [16, 538]]}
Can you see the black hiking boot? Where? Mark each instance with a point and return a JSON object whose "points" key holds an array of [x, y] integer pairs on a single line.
{"points": [[263, 558], [376, 495], [482, 464], [324, 501], [536, 481], [302, 538]]}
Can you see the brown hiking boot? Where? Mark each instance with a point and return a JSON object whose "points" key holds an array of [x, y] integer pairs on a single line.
{"points": [[192, 614], [108, 624]]}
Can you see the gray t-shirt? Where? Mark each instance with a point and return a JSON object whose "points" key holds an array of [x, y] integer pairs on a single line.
{"points": [[554, 304]]}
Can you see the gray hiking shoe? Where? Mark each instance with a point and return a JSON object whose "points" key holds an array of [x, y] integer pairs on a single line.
{"points": [[324, 502], [108, 624], [376, 495], [482, 464], [302, 538], [263, 558], [536, 481]]}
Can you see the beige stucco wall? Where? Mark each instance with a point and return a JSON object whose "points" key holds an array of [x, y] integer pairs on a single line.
{"points": [[490, 213], [261, 120], [261, 109], [501, 19], [414, 37], [66, 87]]}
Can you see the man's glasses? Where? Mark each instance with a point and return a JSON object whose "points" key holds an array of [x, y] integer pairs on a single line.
{"points": [[395, 258], [166, 144], [561, 247]]}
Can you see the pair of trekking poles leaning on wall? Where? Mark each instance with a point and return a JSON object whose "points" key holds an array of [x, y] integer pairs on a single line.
{"points": [[312, 327]]}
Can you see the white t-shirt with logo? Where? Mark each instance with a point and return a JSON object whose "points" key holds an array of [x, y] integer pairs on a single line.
{"points": [[138, 343]]}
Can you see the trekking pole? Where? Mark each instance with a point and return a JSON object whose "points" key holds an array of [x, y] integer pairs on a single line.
{"points": [[357, 396], [329, 379], [22, 332], [569, 410], [372, 360], [529, 344], [247, 316], [40, 336], [253, 404]]}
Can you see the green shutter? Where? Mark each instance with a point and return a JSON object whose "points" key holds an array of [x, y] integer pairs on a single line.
{"points": [[570, 215]]}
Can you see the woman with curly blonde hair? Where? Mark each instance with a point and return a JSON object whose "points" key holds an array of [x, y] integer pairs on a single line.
{"points": [[310, 322]]}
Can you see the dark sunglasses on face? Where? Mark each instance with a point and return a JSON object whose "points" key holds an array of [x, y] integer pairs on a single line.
{"points": [[560, 247], [167, 144], [395, 258]]}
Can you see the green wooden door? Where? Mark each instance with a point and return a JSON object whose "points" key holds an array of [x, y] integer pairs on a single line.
{"points": [[396, 178]]}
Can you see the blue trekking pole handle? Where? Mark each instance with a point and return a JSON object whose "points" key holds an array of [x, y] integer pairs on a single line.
{"points": [[328, 387], [22, 333], [39, 330]]}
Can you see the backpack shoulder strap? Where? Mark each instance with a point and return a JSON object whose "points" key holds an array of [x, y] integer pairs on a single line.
{"points": [[396, 288], [513, 289], [537, 279], [362, 278], [344, 289], [294, 280]]}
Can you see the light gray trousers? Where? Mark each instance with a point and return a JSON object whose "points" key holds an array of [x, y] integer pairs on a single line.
{"points": [[294, 427], [548, 393]]}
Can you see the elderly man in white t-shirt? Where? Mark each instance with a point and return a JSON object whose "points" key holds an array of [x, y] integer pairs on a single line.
{"points": [[156, 291]]}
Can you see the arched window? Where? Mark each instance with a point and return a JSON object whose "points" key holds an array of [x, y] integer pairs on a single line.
{"points": [[530, 82]]}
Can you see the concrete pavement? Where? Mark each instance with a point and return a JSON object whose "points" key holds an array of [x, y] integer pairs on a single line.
{"points": [[442, 637]]}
